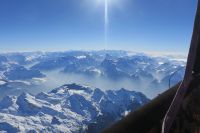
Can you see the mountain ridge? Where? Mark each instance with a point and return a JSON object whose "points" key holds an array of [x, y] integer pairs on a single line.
{"points": [[65, 109]]}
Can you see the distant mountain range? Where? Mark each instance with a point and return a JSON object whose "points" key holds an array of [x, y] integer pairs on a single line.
{"points": [[28, 72]]}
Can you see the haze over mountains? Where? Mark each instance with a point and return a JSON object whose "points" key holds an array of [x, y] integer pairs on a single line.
{"points": [[96, 89], [42, 71]]}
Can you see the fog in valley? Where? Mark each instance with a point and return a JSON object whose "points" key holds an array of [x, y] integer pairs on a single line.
{"points": [[56, 79]]}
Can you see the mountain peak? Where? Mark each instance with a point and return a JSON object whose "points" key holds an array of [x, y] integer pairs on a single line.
{"points": [[72, 87], [70, 106]]}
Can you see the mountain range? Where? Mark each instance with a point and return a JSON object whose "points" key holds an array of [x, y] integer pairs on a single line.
{"points": [[100, 88], [34, 72], [71, 108]]}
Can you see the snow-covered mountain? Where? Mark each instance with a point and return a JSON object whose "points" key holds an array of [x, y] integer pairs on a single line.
{"points": [[71, 108], [28, 105], [15, 68], [31, 72], [113, 66]]}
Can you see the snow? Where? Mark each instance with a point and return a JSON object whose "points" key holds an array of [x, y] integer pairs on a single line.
{"points": [[21, 81], [96, 70], [81, 57], [126, 112], [40, 79], [70, 106], [160, 63], [136, 67], [76, 106], [2, 82]]}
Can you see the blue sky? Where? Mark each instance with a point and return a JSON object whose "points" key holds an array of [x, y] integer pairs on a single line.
{"points": [[136, 25]]}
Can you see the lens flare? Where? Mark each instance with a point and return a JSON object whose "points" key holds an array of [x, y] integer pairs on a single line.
{"points": [[106, 6], [106, 22]]}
